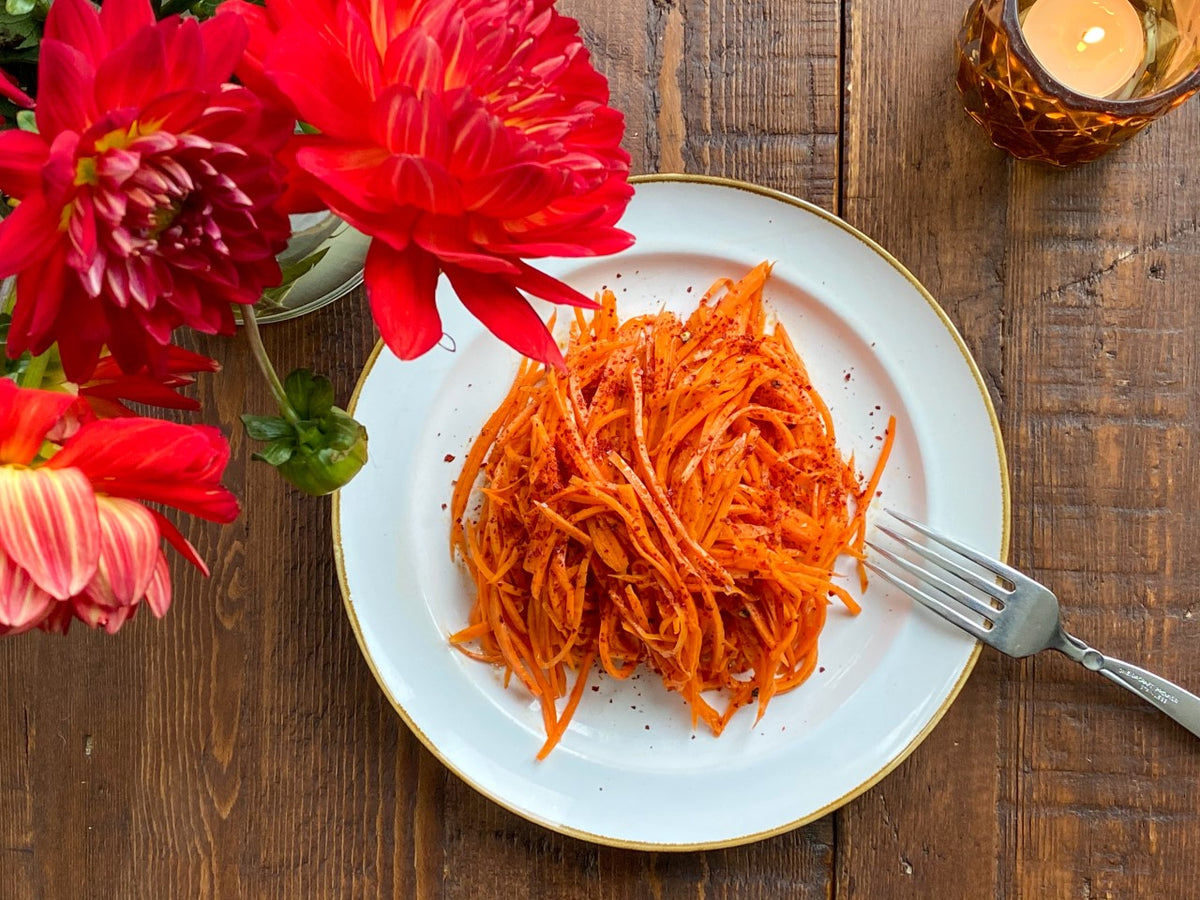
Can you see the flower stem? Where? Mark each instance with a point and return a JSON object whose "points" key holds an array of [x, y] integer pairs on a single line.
{"points": [[35, 371], [264, 363]]}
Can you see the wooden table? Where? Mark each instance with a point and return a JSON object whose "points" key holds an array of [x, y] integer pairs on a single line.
{"points": [[241, 748]]}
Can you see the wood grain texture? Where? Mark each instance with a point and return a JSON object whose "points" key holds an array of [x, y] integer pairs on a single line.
{"points": [[921, 181], [241, 748], [1075, 292]]}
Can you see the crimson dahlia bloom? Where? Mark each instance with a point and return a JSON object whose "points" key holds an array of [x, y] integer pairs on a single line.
{"points": [[76, 540], [463, 135], [147, 197]]}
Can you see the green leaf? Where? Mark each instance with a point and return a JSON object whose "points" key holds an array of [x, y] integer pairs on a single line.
{"points": [[19, 7], [275, 454], [272, 298], [19, 32], [27, 120], [268, 428]]}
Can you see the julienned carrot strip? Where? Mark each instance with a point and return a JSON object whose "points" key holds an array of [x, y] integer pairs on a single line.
{"points": [[676, 499]]}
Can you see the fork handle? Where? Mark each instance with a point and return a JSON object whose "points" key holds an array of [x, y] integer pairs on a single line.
{"points": [[1180, 705]]}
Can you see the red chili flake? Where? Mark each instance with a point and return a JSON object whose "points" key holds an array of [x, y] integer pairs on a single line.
{"points": [[449, 457]]}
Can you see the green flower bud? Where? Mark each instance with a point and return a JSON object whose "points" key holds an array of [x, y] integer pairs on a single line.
{"points": [[315, 445]]}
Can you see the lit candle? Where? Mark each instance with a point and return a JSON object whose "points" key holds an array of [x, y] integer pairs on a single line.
{"points": [[1092, 46]]}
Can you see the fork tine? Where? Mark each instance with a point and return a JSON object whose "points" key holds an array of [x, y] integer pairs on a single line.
{"points": [[988, 587], [981, 559], [932, 578], [954, 617]]}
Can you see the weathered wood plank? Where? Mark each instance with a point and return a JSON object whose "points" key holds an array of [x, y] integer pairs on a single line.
{"points": [[920, 180]]}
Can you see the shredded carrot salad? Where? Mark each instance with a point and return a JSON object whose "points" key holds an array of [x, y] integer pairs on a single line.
{"points": [[675, 498]]}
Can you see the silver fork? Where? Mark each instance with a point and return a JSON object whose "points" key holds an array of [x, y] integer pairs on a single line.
{"points": [[1020, 616]]}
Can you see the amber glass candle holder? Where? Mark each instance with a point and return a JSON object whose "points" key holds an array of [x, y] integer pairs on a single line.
{"points": [[1033, 115]]}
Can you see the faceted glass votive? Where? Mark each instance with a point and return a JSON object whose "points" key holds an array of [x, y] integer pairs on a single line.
{"points": [[1033, 115]]}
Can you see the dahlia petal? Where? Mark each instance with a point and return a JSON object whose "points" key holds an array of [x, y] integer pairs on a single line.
{"points": [[328, 102], [76, 22], [22, 155], [79, 345], [158, 591], [261, 35], [57, 620], [506, 314], [180, 359], [478, 141], [514, 191], [456, 44], [132, 75], [58, 174], [11, 90], [65, 79], [156, 461], [410, 124], [401, 287], [414, 58], [168, 530], [416, 181], [224, 38], [445, 237], [183, 50], [26, 417], [27, 235], [121, 19], [129, 551], [138, 389], [95, 613], [347, 169], [49, 527], [22, 602], [361, 51], [549, 289], [81, 231], [177, 111], [584, 246]]}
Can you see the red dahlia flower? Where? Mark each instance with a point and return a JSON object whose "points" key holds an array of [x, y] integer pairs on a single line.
{"points": [[75, 537], [462, 135], [146, 199]]}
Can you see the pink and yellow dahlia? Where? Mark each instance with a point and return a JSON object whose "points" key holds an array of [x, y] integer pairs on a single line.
{"points": [[147, 197], [464, 136], [76, 540]]}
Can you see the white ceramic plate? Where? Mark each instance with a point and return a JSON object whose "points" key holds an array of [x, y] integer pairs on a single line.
{"points": [[630, 771]]}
